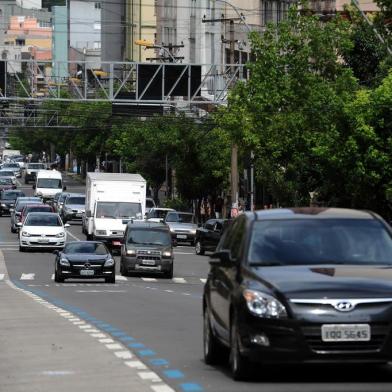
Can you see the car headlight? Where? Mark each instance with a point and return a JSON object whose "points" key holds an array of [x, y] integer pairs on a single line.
{"points": [[193, 231], [100, 232], [62, 234], [3, 205], [64, 262], [264, 305], [131, 252], [167, 253], [109, 263], [25, 234]]}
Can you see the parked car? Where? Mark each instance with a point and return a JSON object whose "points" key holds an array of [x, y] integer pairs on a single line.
{"points": [[208, 235], [27, 208], [300, 285], [150, 203], [157, 214], [147, 247], [7, 200], [31, 171], [6, 183], [20, 202], [182, 226], [42, 230], [73, 208], [85, 259]]}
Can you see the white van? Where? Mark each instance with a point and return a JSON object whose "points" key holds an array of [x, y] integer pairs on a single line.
{"points": [[48, 183]]}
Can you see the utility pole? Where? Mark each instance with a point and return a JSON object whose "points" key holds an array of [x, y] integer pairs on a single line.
{"points": [[234, 178]]}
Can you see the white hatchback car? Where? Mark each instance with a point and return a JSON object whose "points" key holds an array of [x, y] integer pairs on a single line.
{"points": [[42, 230]]}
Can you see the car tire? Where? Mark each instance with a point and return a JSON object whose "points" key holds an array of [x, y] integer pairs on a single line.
{"points": [[22, 249], [112, 279], [240, 366], [212, 348], [122, 271], [58, 278], [199, 250], [13, 230], [89, 237], [169, 274]]}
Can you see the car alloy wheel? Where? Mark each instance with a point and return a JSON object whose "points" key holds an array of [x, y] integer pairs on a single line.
{"points": [[199, 248], [213, 350]]}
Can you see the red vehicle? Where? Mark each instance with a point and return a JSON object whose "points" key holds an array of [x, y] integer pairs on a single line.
{"points": [[34, 208]]}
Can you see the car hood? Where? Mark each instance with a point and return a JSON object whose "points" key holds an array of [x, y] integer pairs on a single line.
{"points": [[85, 257], [327, 281], [181, 226], [47, 230], [7, 201]]}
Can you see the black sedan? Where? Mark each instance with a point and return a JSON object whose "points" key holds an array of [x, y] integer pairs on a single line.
{"points": [[7, 200], [306, 285], [208, 235], [84, 260]]}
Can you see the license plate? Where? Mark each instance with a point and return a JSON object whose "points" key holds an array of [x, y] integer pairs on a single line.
{"points": [[345, 332], [181, 236], [87, 272], [148, 262], [43, 241], [116, 243]]}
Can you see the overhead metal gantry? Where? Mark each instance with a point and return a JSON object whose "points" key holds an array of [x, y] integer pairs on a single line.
{"points": [[164, 84]]}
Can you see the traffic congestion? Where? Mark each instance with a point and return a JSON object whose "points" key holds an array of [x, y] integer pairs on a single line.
{"points": [[280, 287]]}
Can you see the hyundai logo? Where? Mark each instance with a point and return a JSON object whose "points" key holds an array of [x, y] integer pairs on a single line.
{"points": [[344, 306]]}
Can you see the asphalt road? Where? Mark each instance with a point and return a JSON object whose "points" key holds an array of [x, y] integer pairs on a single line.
{"points": [[164, 320]]}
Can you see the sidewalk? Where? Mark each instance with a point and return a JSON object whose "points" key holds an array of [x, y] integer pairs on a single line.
{"points": [[41, 351]]}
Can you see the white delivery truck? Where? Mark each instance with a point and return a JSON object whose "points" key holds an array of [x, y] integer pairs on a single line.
{"points": [[7, 153], [48, 183], [112, 200]]}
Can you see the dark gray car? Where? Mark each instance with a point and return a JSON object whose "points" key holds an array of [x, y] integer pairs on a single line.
{"points": [[17, 210]]}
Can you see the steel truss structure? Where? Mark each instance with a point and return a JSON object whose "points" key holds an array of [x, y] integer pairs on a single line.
{"points": [[162, 84]]}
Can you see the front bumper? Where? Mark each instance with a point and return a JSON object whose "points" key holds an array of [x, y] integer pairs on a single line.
{"points": [[6, 208], [139, 264], [42, 242], [291, 341], [79, 272]]}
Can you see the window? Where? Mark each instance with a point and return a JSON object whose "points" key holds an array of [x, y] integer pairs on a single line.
{"points": [[97, 25], [97, 45], [97, 6]]}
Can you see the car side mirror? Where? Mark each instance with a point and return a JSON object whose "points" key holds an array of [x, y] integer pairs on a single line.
{"points": [[34, 187], [67, 225], [56, 252], [88, 213], [64, 188], [222, 257]]}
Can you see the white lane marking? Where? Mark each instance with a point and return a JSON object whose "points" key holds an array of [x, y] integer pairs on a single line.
{"points": [[73, 236], [57, 372], [98, 335], [169, 291], [161, 388], [183, 253], [136, 365], [114, 346], [185, 294], [149, 279], [2, 276], [74, 319], [91, 330], [85, 326], [52, 277], [149, 376], [78, 322], [179, 280], [123, 354], [106, 340], [27, 277], [120, 277], [203, 280]]}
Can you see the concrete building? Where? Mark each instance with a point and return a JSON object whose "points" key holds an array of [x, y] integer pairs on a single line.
{"points": [[59, 42], [113, 31], [30, 4], [141, 22]]}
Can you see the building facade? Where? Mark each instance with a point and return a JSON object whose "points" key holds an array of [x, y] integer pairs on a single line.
{"points": [[59, 43]]}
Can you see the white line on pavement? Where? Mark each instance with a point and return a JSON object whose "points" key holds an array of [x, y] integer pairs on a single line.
{"points": [[106, 340], [161, 388], [73, 236], [179, 280], [2, 276], [149, 279], [149, 376], [27, 277], [203, 280], [120, 277], [136, 365], [123, 354], [114, 346]]}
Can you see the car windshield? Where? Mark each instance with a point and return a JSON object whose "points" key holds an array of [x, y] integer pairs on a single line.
{"points": [[5, 181], [75, 200], [52, 183], [6, 173], [115, 210], [11, 165], [42, 220], [62, 197], [180, 218], [11, 195], [148, 237], [36, 166], [320, 241], [85, 247], [161, 214], [22, 205]]}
